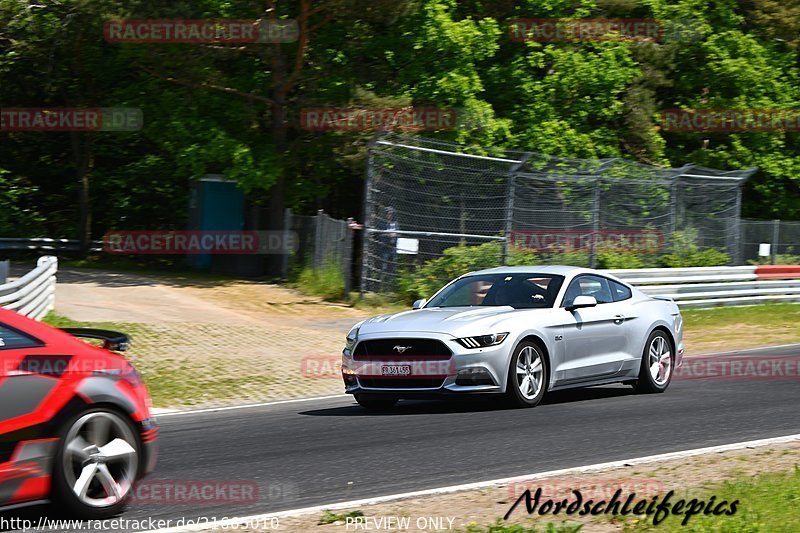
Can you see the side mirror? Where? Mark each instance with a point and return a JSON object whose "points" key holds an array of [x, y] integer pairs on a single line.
{"points": [[418, 304], [582, 301]]}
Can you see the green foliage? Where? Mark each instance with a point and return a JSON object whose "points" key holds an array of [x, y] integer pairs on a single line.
{"points": [[613, 260], [788, 258], [329, 517], [208, 108], [18, 213], [454, 262], [767, 503], [327, 282], [501, 527], [685, 252]]}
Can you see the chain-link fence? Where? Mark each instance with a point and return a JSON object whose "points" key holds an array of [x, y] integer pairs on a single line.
{"points": [[771, 241], [323, 242], [425, 196]]}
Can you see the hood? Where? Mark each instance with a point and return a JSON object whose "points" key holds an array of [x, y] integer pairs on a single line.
{"points": [[473, 320]]}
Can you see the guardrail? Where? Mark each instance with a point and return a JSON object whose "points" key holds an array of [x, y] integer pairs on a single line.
{"points": [[33, 294], [714, 286], [44, 244]]}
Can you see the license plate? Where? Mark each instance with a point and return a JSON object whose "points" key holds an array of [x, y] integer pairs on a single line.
{"points": [[396, 370]]}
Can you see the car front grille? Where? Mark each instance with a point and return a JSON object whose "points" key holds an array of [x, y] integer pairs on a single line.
{"points": [[426, 349], [401, 383]]}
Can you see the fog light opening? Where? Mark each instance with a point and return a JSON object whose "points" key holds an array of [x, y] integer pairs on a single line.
{"points": [[474, 376]]}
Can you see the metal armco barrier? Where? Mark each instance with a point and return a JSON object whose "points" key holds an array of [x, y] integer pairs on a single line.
{"points": [[46, 244], [33, 294], [714, 286]]}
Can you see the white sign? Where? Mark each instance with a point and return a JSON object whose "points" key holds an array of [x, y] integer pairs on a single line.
{"points": [[407, 246], [764, 249]]}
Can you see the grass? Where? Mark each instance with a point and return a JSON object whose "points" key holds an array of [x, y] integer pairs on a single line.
{"points": [[725, 328], [768, 503], [757, 314], [329, 517], [326, 282], [500, 527], [177, 377]]}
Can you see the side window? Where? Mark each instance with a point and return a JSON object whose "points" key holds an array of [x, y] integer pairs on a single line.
{"points": [[619, 291], [589, 286], [11, 339]]}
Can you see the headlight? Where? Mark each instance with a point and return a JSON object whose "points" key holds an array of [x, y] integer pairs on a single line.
{"points": [[482, 341], [351, 339]]}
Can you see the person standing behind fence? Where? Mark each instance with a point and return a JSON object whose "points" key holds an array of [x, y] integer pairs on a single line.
{"points": [[388, 243]]}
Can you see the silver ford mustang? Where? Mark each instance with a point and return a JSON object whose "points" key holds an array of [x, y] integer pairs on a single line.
{"points": [[517, 332]]}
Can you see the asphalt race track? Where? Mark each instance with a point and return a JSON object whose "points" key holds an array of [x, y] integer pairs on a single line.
{"points": [[320, 452]]}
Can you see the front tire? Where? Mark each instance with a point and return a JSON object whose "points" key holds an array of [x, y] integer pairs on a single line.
{"points": [[658, 361], [375, 401], [97, 464], [528, 375]]}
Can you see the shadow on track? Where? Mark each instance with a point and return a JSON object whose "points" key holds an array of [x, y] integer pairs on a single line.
{"points": [[474, 403], [29, 517]]}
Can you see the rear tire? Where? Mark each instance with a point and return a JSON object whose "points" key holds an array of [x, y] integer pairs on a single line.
{"points": [[528, 375], [658, 361], [375, 401], [97, 464]]}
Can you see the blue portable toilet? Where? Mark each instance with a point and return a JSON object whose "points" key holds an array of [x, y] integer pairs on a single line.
{"points": [[214, 204]]}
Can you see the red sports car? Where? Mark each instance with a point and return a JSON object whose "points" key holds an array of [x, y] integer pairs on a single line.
{"points": [[75, 423]]}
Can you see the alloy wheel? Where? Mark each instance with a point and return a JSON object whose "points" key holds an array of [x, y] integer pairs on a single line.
{"points": [[529, 372], [100, 460], [660, 360]]}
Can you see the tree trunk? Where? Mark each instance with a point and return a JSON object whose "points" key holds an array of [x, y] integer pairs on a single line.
{"points": [[84, 161], [278, 96]]}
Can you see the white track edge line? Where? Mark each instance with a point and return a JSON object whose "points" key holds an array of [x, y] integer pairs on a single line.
{"points": [[485, 484]]}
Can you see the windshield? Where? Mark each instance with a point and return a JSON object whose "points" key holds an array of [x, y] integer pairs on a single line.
{"points": [[521, 291]]}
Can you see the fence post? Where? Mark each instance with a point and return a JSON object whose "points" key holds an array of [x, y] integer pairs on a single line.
{"points": [[776, 235], [4, 268], [287, 230], [737, 234], [511, 191], [348, 257], [595, 222], [367, 223], [318, 252]]}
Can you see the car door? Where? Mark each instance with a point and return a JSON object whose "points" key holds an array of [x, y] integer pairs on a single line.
{"points": [[21, 391], [595, 339]]}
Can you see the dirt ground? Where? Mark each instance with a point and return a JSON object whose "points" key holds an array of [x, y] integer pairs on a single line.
{"points": [[453, 512]]}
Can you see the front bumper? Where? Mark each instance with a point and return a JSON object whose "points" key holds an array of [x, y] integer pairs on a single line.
{"points": [[466, 371]]}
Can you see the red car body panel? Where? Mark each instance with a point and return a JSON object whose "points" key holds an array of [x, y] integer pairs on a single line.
{"points": [[42, 387]]}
